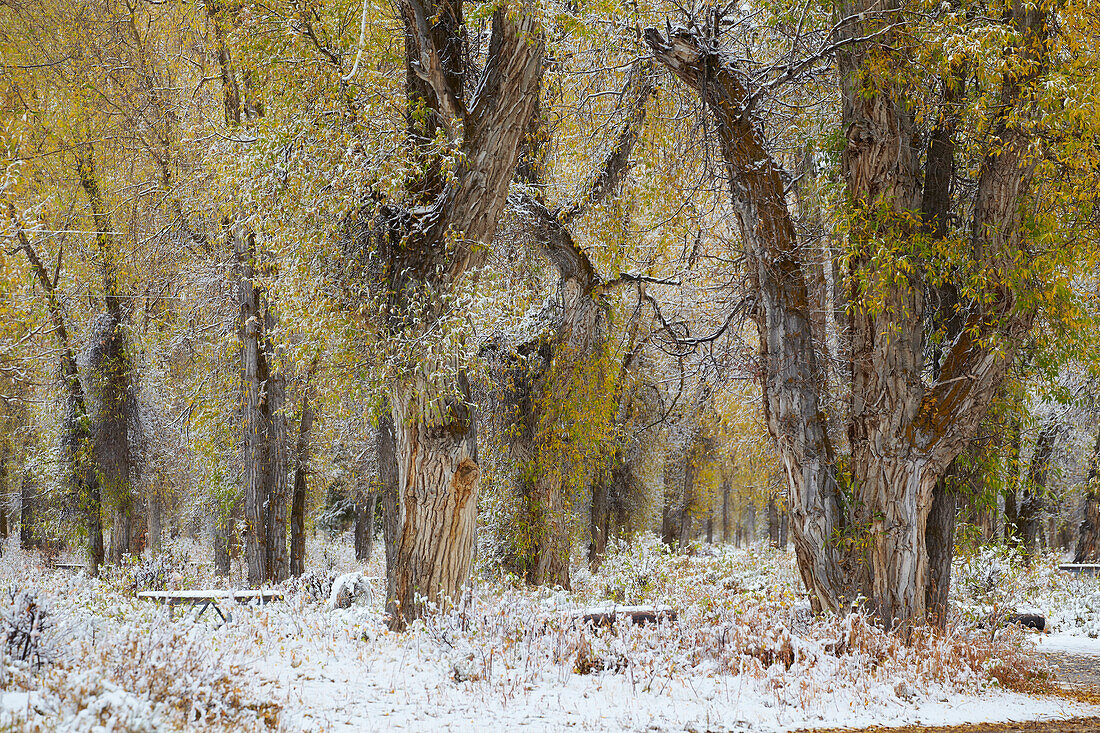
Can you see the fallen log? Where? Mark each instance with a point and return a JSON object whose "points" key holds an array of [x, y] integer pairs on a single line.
{"points": [[1028, 621]]}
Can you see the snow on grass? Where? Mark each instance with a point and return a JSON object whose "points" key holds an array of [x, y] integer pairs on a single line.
{"points": [[744, 653], [991, 583]]}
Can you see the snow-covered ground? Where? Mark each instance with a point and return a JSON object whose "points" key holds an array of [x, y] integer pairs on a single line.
{"points": [[744, 654]]}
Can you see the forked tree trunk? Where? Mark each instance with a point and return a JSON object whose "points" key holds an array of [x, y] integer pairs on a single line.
{"points": [[902, 434], [436, 443]]}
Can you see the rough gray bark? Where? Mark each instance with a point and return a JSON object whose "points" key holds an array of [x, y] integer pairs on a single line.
{"points": [[278, 486], [254, 380]]}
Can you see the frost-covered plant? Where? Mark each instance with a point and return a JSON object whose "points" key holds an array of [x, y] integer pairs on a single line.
{"points": [[314, 583], [24, 621]]}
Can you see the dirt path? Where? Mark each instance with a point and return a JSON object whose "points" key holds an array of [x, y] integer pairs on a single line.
{"points": [[1075, 671], [1077, 676], [1077, 725]]}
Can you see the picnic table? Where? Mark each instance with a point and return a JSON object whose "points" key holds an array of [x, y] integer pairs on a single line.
{"points": [[204, 599], [70, 565], [1080, 568]]}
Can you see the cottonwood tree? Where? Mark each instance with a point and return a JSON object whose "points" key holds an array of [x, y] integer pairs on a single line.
{"points": [[430, 244], [859, 527]]}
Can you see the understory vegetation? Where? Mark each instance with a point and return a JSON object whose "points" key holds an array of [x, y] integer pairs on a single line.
{"points": [[98, 656]]}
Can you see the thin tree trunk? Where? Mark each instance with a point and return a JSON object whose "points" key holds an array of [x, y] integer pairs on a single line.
{"points": [[277, 466], [225, 538], [687, 501], [599, 518], [364, 526], [386, 443], [155, 514], [1034, 490], [27, 539], [3, 499], [940, 540], [725, 510], [1088, 538], [773, 522], [301, 474], [82, 476], [254, 381]]}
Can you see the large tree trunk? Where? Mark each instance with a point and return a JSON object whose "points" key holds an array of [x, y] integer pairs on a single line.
{"points": [[301, 474], [1088, 538], [437, 484]]}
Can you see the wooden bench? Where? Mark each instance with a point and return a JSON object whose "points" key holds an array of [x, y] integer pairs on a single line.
{"points": [[74, 566], [205, 599]]}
